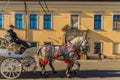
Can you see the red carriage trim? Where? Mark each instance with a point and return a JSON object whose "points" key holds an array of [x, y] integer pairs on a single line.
{"points": [[67, 61], [44, 62]]}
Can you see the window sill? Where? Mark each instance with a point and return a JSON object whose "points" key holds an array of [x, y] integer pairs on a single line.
{"points": [[2, 29], [116, 29], [20, 28], [116, 53], [99, 29], [26, 29], [33, 29], [47, 29]]}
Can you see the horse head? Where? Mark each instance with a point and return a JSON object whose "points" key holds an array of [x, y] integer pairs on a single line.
{"points": [[81, 44]]}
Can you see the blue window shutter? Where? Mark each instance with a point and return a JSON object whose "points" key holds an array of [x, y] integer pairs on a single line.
{"points": [[30, 20], [20, 24], [47, 21], [99, 24], [45, 24], [45, 27], [1, 20], [49, 24], [97, 21], [33, 21], [19, 21], [95, 25]]}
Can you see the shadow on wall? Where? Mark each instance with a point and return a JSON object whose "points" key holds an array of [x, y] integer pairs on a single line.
{"points": [[30, 35], [85, 15], [52, 39], [94, 36]]}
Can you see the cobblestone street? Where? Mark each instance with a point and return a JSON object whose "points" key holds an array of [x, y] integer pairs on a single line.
{"points": [[90, 70]]}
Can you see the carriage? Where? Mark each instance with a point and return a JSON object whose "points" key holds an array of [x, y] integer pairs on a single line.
{"points": [[13, 63]]}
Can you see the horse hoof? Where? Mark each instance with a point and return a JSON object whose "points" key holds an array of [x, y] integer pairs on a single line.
{"points": [[75, 72], [41, 73], [46, 76], [54, 72], [71, 71], [68, 76]]}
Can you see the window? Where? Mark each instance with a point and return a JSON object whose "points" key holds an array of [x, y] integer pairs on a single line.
{"points": [[97, 22], [47, 21], [19, 20], [97, 47], [116, 21], [47, 43], [1, 20], [116, 48], [33, 21], [0, 43], [34, 44], [74, 21]]}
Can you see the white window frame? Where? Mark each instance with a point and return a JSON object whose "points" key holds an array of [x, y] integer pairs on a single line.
{"points": [[22, 19], [34, 42], [101, 21], [48, 42], [2, 19], [117, 13], [78, 19], [29, 19], [101, 47], [113, 47], [51, 20]]}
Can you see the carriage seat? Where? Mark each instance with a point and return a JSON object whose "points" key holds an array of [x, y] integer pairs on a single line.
{"points": [[13, 46]]}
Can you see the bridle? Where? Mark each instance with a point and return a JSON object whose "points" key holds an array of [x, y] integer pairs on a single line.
{"points": [[75, 48], [80, 45]]}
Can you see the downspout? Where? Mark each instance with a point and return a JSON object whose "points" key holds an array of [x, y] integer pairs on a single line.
{"points": [[26, 20]]}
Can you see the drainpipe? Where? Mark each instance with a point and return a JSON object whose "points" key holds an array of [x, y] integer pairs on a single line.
{"points": [[26, 20]]}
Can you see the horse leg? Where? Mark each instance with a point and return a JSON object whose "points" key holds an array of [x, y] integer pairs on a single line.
{"points": [[72, 64], [36, 63], [68, 71], [78, 67], [51, 65], [43, 71]]}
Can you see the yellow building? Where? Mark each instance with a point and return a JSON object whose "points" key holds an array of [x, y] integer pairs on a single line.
{"points": [[54, 21]]}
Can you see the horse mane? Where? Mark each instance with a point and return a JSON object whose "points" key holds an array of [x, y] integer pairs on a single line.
{"points": [[76, 40]]}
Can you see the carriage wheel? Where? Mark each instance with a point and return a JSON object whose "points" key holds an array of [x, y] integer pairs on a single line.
{"points": [[11, 68], [28, 64]]}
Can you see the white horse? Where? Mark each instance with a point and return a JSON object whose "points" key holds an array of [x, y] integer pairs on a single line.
{"points": [[68, 53]]}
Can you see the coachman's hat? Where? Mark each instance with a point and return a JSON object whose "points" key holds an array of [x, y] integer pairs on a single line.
{"points": [[12, 26]]}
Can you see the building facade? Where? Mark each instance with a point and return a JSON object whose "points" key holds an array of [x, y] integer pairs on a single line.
{"points": [[98, 21]]}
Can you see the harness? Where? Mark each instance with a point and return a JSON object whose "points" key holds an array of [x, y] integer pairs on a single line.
{"points": [[68, 48]]}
